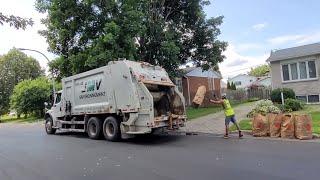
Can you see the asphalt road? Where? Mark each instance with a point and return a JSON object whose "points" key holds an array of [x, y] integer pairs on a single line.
{"points": [[27, 153]]}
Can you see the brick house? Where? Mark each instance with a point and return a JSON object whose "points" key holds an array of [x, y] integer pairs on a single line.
{"points": [[193, 78]]}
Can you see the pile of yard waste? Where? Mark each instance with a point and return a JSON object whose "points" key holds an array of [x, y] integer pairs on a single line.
{"points": [[267, 120]]}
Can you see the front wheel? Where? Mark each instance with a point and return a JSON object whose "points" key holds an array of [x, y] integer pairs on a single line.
{"points": [[49, 124], [111, 129]]}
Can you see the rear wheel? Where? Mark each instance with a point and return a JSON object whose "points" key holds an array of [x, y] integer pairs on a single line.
{"points": [[48, 126], [111, 129], [94, 128]]}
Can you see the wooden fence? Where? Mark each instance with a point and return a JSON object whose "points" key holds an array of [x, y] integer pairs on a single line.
{"points": [[237, 96]]}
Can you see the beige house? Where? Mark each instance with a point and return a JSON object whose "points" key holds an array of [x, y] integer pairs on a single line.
{"points": [[297, 68]]}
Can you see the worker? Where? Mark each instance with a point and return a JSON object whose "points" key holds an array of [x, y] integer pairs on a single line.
{"points": [[229, 112]]}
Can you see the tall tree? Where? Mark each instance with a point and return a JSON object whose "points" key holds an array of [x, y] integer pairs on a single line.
{"points": [[88, 34], [15, 67], [259, 71], [29, 96], [15, 21], [228, 85]]}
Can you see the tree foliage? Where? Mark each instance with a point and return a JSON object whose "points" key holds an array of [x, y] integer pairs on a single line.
{"points": [[15, 67], [228, 85], [29, 96], [259, 71], [15, 21], [88, 34], [232, 86]]}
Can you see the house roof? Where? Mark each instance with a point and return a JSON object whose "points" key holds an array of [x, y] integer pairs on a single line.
{"points": [[241, 75], [306, 50], [258, 81], [188, 69], [198, 72]]}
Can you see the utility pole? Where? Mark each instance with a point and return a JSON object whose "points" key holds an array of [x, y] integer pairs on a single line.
{"points": [[24, 49]]}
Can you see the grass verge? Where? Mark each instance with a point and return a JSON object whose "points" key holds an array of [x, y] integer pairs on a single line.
{"points": [[14, 119]]}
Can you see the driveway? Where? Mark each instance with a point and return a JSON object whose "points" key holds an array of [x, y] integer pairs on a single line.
{"points": [[214, 123], [27, 153]]}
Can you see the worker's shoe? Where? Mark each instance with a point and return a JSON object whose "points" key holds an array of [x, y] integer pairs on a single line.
{"points": [[226, 136], [240, 134]]}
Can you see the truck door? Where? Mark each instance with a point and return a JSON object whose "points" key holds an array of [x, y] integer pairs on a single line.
{"points": [[57, 106]]}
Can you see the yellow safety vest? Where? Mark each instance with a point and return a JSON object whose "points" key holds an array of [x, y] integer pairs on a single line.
{"points": [[228, 111]]}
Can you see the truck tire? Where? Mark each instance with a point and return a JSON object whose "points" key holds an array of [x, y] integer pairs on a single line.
{"points": [[111, 129], [94, 128], [48, 126]]}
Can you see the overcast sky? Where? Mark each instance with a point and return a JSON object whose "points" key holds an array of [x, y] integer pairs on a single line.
{"points": [[251, 27]]}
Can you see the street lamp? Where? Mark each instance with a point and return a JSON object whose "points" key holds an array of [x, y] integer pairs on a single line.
{"points": [[24, 49]]}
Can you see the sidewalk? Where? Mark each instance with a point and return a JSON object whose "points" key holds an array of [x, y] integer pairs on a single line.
{"points": [[214, 123]]}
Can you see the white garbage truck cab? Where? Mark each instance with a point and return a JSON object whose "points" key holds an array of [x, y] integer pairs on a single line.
{"points": [[120, 100]]}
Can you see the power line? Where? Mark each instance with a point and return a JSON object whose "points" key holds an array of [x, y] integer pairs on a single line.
{"points": [[243, 69]]}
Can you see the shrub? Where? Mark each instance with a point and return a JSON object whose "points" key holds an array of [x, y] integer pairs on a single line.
{"points": [[294, 104], [287, 94], [264, 107], [254, 99], [263, 103], [284, 108]]}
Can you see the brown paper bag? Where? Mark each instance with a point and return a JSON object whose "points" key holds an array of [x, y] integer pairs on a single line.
{"points": [[259, 125], [199, 97], [274, 121], [303, 127], [287, 127]]}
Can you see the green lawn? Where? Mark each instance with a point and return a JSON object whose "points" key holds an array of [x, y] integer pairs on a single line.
{"points": [[14, 119], [313, 110], [193, 113], [245, 124], [316, 122]]}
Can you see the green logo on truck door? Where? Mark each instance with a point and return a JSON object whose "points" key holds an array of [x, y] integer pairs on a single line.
{"points": [[91, 86]]}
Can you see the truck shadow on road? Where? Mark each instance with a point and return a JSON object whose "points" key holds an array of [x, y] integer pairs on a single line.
{"points": [[149, 139]]}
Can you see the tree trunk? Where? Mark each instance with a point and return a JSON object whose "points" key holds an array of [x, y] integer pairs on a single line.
{"points": [[41, 113]]}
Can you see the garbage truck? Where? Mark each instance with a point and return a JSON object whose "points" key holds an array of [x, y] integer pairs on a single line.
{"points": [[118, 101]]}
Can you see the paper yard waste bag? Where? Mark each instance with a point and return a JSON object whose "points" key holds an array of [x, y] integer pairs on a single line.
{"points": [[287, 127], [274, 121], [259, 125], [303, 127], [199, 97]]}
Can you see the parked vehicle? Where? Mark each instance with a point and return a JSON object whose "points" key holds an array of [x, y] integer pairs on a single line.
{"points": [[12, 113], [120, 100]]}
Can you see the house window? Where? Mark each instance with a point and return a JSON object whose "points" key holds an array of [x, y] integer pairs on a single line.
{"points": [[302, 98], [303, 70], [313, 98], [238, 83], [285, 71], [312, 69], [309, 98], [299, 71]]}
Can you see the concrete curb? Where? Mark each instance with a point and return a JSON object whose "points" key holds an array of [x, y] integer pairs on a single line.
{"points": [[248, 135], [248, 132]]}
